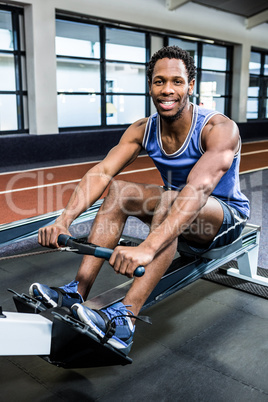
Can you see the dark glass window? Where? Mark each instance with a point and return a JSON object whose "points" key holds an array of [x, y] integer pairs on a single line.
{"points": [[257, 104], [13, 94], [101, 75], [212, 88]]}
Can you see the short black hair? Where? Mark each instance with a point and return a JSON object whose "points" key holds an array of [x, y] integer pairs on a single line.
{"points": [[172, 52]]}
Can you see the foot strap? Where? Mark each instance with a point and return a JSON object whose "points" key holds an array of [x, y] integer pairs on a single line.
{"points": [[111, 326], [62, 293]]}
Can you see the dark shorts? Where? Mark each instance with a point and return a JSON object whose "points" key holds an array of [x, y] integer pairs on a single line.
{"points": [[231, 228]]}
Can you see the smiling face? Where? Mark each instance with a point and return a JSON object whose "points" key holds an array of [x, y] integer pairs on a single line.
{"points": [[170, 89]]}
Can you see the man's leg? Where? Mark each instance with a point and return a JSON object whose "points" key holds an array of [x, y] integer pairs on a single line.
{"points": [[120, 313], [109, 224], [123, 200], [142, 287], [207, 224], [201, 231]]}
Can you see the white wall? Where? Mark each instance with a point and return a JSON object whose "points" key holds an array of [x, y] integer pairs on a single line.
{"points": [[190, 19]]}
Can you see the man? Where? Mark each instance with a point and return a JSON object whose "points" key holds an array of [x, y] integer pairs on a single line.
{"points": [[197, 152]]}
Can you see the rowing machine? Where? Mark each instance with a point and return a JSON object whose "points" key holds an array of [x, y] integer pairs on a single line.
{"points": [[61, 340]]}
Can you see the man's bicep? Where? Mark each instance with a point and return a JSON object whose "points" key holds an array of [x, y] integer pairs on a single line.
{"points": [[127, 150], [222, 136], [119, 157], [209, 169]]}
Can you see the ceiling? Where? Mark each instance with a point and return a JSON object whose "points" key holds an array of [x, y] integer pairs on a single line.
{"points": [[255, 12]]}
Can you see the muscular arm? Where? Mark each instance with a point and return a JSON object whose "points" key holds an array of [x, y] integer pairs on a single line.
{"points": [[95, 181], [220, 140]]}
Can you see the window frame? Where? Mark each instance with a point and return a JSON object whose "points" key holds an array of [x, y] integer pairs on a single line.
{"points": [[103, 62], [18, 54], [199, 70], [262, 97]]}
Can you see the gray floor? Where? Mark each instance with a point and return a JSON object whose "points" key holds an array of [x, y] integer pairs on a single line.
{"points": [[207, 343]]}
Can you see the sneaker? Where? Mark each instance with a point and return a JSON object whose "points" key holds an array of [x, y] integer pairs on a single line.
{"points": [[112, 323], [65, 296]]}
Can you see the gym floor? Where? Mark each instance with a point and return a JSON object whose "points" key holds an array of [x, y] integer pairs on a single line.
{"points": [[207, 342]]}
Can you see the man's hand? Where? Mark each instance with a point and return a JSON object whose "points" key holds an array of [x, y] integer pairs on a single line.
{"points": [[125, 260], [48, 235]]}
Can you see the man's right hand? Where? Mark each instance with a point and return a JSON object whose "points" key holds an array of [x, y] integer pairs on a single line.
{"points": [[48, 235]]}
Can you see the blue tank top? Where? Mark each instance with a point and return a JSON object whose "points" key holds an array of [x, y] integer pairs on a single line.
{"points": [[175, 168]]}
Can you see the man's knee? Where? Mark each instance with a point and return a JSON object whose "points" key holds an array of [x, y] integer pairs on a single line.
{"points": [[126, 196], [166, 201], [124, 189]]}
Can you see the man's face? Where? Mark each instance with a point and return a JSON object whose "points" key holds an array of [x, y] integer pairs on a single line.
{"points": [[170, 88]]}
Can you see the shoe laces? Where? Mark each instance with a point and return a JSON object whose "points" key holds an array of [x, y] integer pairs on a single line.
{"points": [[119, 315], [70, 287]]}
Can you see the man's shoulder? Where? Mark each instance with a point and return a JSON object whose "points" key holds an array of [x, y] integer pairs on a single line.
{"points": [[135, 131], [140, 123]]}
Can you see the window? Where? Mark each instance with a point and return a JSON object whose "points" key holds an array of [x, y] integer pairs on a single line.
{"points": [[13, 94], [125, 76], [78, 74], [212, 88], [101, 75], [257, 104]]}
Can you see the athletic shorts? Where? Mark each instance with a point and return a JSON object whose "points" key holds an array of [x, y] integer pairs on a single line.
{"points": [[231, 228]]}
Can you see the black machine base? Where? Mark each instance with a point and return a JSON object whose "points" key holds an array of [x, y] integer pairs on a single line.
{"points": [[73, 345]]}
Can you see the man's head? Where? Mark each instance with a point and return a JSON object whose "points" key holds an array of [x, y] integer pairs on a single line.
{"points": [[172, 52], [171, 73]]}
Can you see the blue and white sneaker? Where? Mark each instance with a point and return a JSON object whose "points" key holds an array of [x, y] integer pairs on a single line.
{"points": [[113, 324], [65, 296]]}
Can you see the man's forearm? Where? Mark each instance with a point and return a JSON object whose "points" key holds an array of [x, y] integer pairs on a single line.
{"points": [[183, 212], [86, 193]]}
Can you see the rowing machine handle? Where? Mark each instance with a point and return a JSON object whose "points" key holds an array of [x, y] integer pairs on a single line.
{"points": [[92, 249]]}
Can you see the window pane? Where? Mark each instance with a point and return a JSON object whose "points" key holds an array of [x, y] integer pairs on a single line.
{"points": [[266, 65], [125, 78], [214, 57], [191, 47], [76, 39], [78, 76], [8, 112], [265, 86], [124, 109], [255, 63], [7, 72], [22, 35], [25, 109], [6, 35], [212, 84], [254, 86], [252, 109], [24, 79], [209, 102], [78, 110], [125, 45]]}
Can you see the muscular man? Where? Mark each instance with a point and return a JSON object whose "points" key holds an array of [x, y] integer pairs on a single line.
{"points": [[197, 152]]}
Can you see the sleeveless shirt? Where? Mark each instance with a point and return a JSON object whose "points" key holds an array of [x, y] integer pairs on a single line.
{"points": [[175, 168]]}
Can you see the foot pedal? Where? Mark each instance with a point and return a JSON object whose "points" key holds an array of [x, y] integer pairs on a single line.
{"points": [[75, 346], [26, 304]]}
